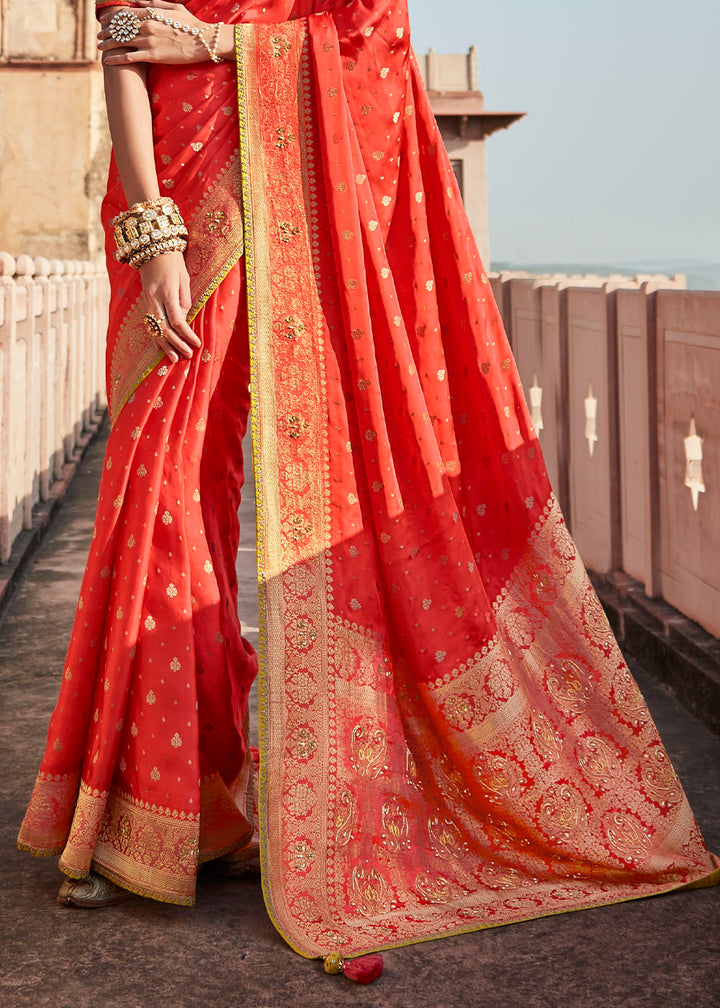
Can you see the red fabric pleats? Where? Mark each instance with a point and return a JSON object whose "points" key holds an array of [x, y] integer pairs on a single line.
{"points": [[147, 768]]}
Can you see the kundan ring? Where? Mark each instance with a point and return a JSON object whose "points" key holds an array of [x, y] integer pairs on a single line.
{"points": [[124, 26], [153, 325]]}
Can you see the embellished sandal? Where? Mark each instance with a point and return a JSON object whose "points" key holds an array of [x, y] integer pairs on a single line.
{"points": [[92, 892]]}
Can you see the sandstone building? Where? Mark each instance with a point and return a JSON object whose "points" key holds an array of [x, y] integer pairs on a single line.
{"points": [[54, 144]]}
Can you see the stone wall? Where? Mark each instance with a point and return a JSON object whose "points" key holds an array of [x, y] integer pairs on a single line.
{"points": [[625, 382], [54, 144]]}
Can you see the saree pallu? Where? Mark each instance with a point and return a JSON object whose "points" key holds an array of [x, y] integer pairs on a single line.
{"points": [[450, 738]]}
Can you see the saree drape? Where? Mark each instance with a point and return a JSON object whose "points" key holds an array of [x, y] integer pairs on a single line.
{"points": [[450, 738], [147, 770]]}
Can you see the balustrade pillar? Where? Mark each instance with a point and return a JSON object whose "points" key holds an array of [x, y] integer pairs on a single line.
{"points": [[53, 318]]}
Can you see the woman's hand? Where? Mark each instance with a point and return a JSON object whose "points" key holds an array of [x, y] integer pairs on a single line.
{"points": [[155, 42], [166, 292]]}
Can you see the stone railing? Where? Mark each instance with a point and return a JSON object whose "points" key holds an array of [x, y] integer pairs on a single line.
{"points": [[624, 382], [53, 318]]}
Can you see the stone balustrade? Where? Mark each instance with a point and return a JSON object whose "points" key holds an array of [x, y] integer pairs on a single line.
{"points": [[622, 378], [625, 381], [53, 319]]}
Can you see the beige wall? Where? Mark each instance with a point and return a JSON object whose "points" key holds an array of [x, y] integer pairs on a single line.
{"points": [[450, 71], [687, 344], [53, 161], [54, 146], [458, 72], [475, 192]]}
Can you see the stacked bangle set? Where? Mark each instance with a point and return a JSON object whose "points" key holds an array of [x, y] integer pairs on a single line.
{"points": [[147, 230]]}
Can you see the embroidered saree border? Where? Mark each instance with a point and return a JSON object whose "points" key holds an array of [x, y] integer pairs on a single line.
{"points": [[511, 889], [138, 845], [57, 795], [283, 540], [135, 841]]}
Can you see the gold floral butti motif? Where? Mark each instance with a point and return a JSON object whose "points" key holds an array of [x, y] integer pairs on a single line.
{"points": [[450, 739]]}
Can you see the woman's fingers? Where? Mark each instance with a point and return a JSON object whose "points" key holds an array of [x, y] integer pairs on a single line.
{"points": [[179, 332], [166, 287], [157, 310], [122, 52], [155, 42], [106, 16]]}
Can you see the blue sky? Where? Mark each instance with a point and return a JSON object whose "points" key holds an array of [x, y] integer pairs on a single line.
{"points": [[619, 156]]}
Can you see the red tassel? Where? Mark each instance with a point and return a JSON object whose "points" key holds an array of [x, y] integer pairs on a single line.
{"points": [[365, 969]]}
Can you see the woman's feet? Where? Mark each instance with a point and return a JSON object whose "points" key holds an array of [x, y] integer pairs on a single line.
{"points": [[92, 892]]}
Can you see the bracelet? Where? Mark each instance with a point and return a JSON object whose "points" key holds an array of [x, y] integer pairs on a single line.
{"points": [[177, 25], [153, 15], [148, 229], [158, 248], [212, 49]]}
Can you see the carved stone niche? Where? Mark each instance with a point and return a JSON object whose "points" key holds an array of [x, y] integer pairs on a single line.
{"points": [[47, 31]]}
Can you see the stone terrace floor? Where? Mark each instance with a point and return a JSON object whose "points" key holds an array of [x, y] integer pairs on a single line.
{"points": [[224, 953]]}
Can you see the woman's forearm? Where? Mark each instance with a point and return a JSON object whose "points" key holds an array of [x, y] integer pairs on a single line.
{"points": [[129, 116], [226, 42]]}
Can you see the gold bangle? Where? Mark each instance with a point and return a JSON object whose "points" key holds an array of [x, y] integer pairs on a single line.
{"points": [[145, 225], [151, 251], [153, 204]]}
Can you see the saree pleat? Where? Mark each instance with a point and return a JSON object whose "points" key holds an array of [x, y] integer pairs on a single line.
{"points": [[159, 726], [147, 771], [450, 738]]}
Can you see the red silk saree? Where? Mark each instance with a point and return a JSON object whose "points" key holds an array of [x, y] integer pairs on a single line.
{"points": [[450, 738]]}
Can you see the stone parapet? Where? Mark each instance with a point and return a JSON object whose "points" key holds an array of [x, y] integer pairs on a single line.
{"points": [[678, 652], [53, 322], [614, 281], [623, 381]]}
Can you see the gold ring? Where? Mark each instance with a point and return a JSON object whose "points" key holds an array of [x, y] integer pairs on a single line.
{"points": [[153, 325]]}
